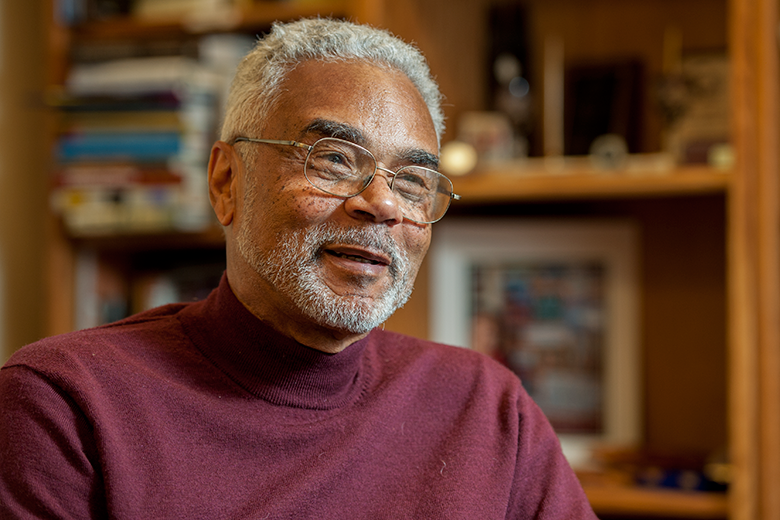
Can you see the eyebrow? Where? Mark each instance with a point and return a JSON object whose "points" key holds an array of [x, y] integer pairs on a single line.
{"points": [[420, 158], [328, 128]]}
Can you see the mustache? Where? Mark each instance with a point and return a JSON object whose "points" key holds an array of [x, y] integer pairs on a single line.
{"points": [[374, 238]]}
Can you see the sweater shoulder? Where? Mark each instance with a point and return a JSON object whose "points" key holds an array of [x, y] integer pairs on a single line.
{"points": [[111, 343]]}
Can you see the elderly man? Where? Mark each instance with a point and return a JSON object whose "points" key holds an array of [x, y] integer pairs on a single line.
{"points": [[277, 396]]}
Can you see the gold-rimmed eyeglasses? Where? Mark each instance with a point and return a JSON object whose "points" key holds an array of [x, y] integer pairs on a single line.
{"points": [[345, 169]]}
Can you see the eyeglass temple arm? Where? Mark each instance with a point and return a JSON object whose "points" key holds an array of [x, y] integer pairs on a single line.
{"points": [[273, 141], [453, 196]]}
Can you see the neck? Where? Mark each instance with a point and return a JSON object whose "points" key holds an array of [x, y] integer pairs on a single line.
{"points": [[286, 319]]}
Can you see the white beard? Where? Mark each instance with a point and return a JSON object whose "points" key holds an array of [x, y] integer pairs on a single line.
{"points": [[292, 268]]}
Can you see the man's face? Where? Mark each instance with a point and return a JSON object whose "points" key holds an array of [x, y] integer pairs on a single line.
{"points": [[342, 264]]}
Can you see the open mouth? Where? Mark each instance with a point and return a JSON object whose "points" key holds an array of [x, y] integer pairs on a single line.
{"points": [[354, 258]]}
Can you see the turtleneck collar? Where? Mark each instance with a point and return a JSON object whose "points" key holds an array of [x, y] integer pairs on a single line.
{"points": [[269, 365]]}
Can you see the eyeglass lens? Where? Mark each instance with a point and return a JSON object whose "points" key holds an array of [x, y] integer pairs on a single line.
{"points": [[342, 168]]}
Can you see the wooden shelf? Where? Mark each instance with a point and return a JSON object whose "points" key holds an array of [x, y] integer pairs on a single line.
{"points": [[211, 238], [256, 15], [574, 177], [623, 500]]}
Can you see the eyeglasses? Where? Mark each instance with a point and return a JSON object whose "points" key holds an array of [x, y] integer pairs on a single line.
{"points": [[345, 169]]}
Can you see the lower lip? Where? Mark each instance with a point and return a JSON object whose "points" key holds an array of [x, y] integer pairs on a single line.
{"points": [[355, 267]]}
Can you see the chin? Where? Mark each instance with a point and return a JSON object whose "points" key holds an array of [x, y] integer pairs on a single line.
{"points": [[352, 314]]}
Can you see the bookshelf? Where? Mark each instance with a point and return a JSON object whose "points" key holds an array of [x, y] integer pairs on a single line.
{"points": [[710, 246]]}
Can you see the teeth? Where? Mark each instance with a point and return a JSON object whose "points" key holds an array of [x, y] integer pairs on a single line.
{"points": [[356, 258]]}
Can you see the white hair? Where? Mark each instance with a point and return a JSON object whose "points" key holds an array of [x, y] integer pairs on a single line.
{"points": [[256, 85]]}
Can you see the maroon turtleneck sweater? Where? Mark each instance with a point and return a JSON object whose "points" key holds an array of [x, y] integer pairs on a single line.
{"points": [[203, 411]]}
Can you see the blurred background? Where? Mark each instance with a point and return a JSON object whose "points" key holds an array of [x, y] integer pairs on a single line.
{"points": [[617, 245], [24, 173]]}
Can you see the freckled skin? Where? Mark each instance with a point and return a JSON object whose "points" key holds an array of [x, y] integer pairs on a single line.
{"points": [[385, 106]]}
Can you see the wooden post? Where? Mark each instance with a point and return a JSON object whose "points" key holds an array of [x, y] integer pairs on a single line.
{"points": [[754, 271]]}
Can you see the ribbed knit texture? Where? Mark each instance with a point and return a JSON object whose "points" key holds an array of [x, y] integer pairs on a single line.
{"points": [[202, 411]]}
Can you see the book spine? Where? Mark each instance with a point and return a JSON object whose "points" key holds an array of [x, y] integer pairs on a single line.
{"points": [[142, 147]]}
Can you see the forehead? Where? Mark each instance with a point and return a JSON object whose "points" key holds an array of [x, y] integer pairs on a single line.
{"points": [[381, 103]]}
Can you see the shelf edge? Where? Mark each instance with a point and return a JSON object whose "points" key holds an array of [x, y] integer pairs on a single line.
{"points": [[515, 183]]}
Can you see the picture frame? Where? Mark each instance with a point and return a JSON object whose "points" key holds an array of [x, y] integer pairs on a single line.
{"points": [[575, 349], [602, 99]]}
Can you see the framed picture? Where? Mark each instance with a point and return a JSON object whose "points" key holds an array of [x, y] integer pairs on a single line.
{"points": [[556, 302], [602, 99]]}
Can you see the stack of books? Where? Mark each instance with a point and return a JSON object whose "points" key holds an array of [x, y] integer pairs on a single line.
{"points": [[133, 144]]}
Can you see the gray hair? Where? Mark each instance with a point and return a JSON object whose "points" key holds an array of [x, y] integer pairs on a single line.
{"points": [[256, 85]]}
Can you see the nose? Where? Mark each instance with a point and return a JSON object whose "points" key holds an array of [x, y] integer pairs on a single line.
{"points": [[377, 203]]}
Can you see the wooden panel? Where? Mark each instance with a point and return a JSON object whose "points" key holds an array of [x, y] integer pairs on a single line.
{"points": [[684, 325], [60, 269], [755, 288], [767, 96]]}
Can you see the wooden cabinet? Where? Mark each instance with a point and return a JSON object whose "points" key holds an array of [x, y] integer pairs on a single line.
{"points": [[710, 238]]}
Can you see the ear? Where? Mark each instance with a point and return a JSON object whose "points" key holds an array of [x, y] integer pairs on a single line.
{"points": [[223, 181]]}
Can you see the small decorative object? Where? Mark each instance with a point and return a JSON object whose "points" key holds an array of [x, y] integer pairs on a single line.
{"points": [[694, 102], [609, 152], [489, 133], [513, 98], [458, 158]]}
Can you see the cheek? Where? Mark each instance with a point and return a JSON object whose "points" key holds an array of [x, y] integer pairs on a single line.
{"points": [[282, 191], [417, 242], [297, 206]]}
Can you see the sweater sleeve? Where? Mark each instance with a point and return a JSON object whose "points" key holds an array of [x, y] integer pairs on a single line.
{"points": [[48, 459], [545, 486]]}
